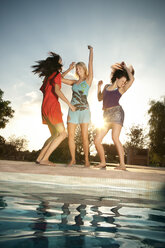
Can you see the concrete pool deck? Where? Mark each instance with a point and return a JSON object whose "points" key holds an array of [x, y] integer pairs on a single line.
{"points": [[136, 179]]}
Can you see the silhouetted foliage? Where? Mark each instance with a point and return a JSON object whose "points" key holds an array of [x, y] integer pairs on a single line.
{"points": [[15, 149], [110, 153], [6, 112], [20, 143], [61, 154], [136, 138], [157, 132], [79, 144]]}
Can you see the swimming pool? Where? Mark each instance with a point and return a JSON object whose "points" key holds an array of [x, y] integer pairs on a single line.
{"points": [[36, 215]]}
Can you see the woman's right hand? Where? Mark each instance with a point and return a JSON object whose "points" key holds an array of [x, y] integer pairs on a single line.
{"points": [[100, 83], [90, 47], [72, 107], [117, 66], [72, 65]]}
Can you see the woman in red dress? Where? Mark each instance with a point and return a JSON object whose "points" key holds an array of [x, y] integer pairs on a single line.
{"points": [[51, 69]]}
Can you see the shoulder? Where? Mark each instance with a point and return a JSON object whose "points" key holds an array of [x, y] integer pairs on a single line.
{"points": [[121, 91], [58, 75], [106, 86], [55, 78], [89, 80]]}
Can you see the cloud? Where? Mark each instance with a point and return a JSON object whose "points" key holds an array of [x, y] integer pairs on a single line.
{"points": [[18, 85], [32, 105]]}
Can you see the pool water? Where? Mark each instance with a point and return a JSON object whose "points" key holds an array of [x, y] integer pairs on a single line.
{"points": [[53, 216]]}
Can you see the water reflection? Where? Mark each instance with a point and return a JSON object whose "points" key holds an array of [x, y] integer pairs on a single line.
{"points": [[3, 203], [39, 223], [40, 226]]}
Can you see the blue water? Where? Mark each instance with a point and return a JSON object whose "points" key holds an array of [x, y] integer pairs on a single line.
{"points": [[43, 216]]}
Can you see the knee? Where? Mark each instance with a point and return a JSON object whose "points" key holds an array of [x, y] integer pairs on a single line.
{"points": [[97, 141], [64, 134], [71, 137], [85, 138], [115, 139]]}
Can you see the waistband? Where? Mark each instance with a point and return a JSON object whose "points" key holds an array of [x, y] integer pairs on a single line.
{"points": [[112, 107]]}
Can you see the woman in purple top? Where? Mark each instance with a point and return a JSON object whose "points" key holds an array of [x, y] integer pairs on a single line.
{"points": [[121, 79]]}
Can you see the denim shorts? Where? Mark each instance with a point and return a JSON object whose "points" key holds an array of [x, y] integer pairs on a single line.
{"points": [[114, 115], [79, 116]]}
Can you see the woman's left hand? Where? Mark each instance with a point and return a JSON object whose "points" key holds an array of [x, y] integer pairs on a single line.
{"points": [[123, 65]]}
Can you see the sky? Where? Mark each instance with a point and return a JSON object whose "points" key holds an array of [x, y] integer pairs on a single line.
{"points": [[120, 30]]}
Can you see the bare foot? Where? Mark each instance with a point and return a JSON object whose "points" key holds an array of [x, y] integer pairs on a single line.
{"points": [[87, 164], [72, 162], [121, 167], [100, 166], [47, 162]]}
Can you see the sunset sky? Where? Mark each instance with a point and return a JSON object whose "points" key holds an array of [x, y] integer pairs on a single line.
{"points": [[120, 30]]}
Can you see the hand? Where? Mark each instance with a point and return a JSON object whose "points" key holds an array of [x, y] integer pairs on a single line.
{"points": [[123, 65], [72, 107], [90, 47], [72, 65], [100, 83], [117, 66]]}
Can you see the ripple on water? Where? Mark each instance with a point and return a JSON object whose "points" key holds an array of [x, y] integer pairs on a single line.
{"points": [[64, 219]]}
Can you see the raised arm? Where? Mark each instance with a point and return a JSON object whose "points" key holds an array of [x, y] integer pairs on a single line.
{"points": [[71, 66], [130, 72], [90, 66], [68, 81], [61, 95], [99, 93]]}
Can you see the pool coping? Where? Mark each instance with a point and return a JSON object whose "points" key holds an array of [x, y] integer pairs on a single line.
{"points": [[136, 179]]}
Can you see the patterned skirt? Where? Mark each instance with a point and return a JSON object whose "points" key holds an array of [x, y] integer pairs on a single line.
{"points": [[114, 114]]}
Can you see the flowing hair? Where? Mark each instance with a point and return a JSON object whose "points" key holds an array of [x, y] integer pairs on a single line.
{"points": [[119, 74], [45, 68]]}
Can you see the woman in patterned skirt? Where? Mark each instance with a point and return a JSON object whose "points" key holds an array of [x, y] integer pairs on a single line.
{"points": [[121, 79]]}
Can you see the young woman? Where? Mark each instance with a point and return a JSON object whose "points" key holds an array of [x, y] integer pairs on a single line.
{"points": [[81, 116], [121, 79], [51, 69]]}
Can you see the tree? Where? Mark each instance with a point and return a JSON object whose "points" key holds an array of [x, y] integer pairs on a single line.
{"points": [[6, 111], [110, 153], [20, 143], [79, 144], [61, 153], [157, 131], [136, 138]]}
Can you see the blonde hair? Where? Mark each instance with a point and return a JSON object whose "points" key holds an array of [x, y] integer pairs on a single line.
{"points": [[82, 64]]}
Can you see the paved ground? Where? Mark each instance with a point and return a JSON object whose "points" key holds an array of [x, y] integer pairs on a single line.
{"points": [[136, 178]]}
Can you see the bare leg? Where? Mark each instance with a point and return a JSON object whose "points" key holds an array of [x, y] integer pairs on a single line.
{"points": [[116, 129], [84, 133], [101, 132], [71, 142], [54, 134], [59, 134]]}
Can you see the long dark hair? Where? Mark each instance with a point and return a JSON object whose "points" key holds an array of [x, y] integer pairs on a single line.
{"points": [[119, 74], [46, 67]]}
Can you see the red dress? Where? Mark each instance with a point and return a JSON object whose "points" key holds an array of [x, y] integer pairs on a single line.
{"points": [[51, 109]]}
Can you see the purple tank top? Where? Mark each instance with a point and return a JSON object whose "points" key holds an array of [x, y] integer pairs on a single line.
{"points": [[111, 98]]}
